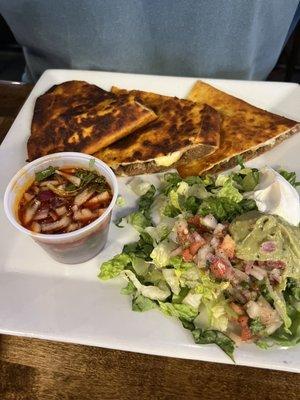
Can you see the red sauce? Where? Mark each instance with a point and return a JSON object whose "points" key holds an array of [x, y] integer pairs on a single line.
{"points": [[63, 200]]}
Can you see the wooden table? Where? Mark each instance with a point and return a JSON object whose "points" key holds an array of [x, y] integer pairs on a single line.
{"points": [[39, 369]]}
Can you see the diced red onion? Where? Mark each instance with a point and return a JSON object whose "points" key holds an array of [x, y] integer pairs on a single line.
{"points": [[53, 182], [83, 196], [209, 221], [258, 272], [268, 247], [57, 225], [42, 214], [253, 309], [83, 214], [73, 227], [101, 211], [71, 178], [219, 230], [28, 196], [35, 227], [57, 202], [248, 267], [275, 275], [61, 210], [204, 253], [53, 215], [268, 316], [99, 198], [214, 242], [30, 211], [46, 195], [240, 276]]}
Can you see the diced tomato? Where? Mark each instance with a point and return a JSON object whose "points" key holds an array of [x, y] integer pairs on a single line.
{"points": [[186, 255], [246, 332], [228, 246], [219, 268], [194, 247]]}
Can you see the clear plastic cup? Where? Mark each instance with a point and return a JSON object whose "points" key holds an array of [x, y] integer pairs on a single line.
{"points": [[68, 248]]}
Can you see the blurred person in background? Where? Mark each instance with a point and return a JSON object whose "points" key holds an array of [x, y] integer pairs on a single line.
{"points": [[238, 39]]}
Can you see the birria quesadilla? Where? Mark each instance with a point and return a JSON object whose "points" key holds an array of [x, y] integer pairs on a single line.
{"points": [[183, 130], [78, 116], [246, 130]]}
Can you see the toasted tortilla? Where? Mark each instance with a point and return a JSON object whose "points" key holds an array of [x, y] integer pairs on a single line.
{"points": [[246, 130], [182, 128], [78, 116]]}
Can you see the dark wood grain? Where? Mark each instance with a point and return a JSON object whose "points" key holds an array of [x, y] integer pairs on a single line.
{"points": [[51, 370], [32, 369]]}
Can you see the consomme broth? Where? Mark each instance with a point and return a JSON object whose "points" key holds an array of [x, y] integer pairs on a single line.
{"points": [[62, 200]]}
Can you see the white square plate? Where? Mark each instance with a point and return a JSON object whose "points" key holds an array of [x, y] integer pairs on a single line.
{"points": [[42, 298]]}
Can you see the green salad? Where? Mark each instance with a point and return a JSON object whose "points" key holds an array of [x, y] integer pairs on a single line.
{"points": [[207, 256]]}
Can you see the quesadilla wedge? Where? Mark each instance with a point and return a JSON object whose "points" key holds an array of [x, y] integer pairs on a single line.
{"points": [[78, 116], [246, 130], [183, 130]]}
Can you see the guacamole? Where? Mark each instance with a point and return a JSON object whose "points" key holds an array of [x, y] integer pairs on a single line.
{"points": [[251, 230]]}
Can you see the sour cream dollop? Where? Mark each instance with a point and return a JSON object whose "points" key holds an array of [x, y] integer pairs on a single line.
{"points": [[275, 195]]}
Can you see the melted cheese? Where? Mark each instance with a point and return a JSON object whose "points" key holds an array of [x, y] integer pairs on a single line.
{"points": [[166, 161]]}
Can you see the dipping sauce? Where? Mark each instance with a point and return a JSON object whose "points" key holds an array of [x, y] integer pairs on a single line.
{"points": [[62, 200]]}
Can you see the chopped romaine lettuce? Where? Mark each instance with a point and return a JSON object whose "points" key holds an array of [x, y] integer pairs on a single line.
{"points": [[230, 192], [142, 248], [161, 231], [290, 177], [279, 304], [138, 220], [140, 266], [250, 181], [128, 289], [174, 199], [202, 336], [152, 292], [192, 299], [225, 209], [192, 204], [217, 314], [161, 254], [181, 311], [170, 181], [120, 201], [171, 211], [138, 186], [112, 268], [171, 279], [178, 298], [141, 303], [146, 200], [179, 264], [222, 208], [292, 336], [209, 288]]}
